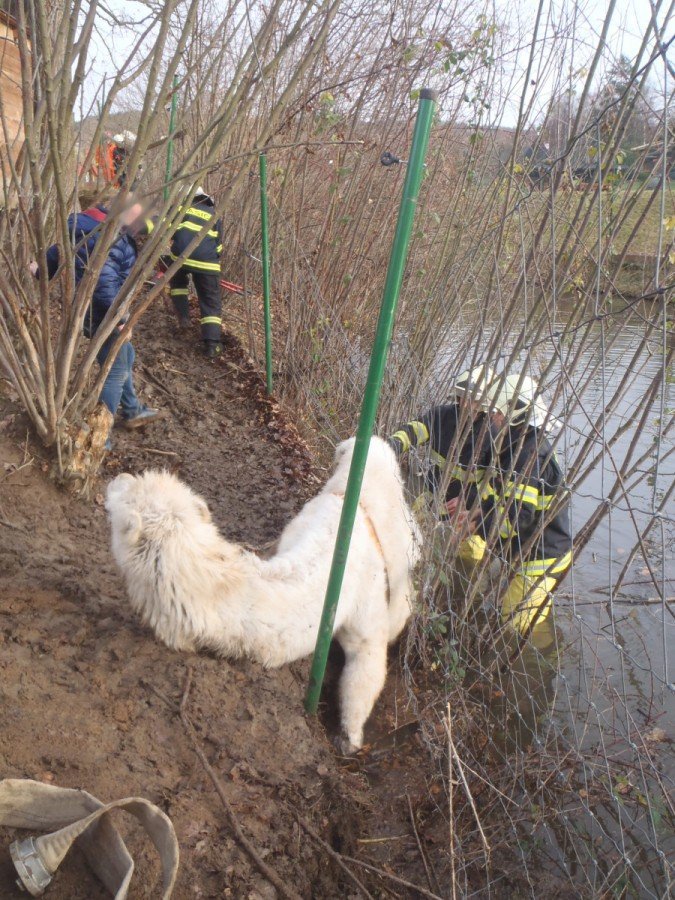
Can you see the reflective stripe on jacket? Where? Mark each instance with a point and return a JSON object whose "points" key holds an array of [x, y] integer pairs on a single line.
{"points": [[440, 428], [205, 257], [527, 483]]}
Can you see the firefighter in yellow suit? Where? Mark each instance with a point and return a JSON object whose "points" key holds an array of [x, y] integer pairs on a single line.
{"points": [[455, 434], [524, 505]]}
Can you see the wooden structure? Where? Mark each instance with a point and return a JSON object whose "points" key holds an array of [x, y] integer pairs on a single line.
{"points": [[11, 104], [652, 158]]}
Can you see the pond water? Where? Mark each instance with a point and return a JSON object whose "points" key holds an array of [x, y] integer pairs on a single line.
{"points": [[599, 676], [611, 679]]}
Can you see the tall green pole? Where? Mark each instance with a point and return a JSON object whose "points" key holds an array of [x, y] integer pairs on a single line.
{"points": [[266, 270], [169, 146], [371, 398]]}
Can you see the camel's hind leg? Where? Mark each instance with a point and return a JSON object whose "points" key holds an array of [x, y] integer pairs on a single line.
{"points": [[399, 606], [362, 680]]}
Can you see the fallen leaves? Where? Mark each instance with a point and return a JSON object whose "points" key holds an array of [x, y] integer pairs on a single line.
{"points": [[655, 736]]}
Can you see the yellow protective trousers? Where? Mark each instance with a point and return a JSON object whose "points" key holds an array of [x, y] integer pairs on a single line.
{"points": [[527, 596]]}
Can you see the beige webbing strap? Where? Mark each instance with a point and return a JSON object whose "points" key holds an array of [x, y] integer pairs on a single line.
{"points": [[376, 540], [78, 816]]}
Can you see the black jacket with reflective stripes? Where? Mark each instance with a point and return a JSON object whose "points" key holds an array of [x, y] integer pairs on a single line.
{"points": [[528, 504], [440, 427], [205, 257]]}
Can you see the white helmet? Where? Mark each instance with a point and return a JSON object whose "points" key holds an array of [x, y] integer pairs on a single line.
{"points": [[476, 382], [124, 137], [518, 397], [200, 192]]}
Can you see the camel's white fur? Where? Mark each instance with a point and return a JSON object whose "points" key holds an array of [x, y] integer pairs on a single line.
{"points": [[196, 589]]}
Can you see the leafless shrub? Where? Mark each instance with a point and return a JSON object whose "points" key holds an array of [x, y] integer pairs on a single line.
{"points": [[564, 273], [543, 243], [41, 326]]}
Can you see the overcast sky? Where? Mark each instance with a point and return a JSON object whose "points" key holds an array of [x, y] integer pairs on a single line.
{"points": [[630, 21]]}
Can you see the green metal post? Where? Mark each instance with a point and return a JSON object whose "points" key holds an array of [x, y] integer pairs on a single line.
{"points": [[266, 270], [169, 146], [371, 398]]}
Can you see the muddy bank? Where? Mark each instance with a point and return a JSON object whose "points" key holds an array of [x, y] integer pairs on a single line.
{"points": [[88, 696], [82, 683]]}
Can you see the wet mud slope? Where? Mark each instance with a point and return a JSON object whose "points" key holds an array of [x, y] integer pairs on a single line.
{"points": [[87, 695]]}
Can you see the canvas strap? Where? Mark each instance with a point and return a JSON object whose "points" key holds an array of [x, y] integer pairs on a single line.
{"points": [[77, 815], [376, 540]]}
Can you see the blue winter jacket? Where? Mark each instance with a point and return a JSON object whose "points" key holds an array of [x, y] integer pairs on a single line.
{"points": [[84, 229]]}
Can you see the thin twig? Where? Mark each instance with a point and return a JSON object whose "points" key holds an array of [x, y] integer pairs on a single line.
{"points": [[265, 870], [382, 840], [162, 696], [256, 151], [13, 471], [433, 885], [451, 813], [460, 769], [181, 711], [160, 384], [339, 859], [160, 452], [384, 874], [175, 371], [647, 601]]}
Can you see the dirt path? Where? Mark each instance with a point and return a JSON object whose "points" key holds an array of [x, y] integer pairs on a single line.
{"points": [[80, 679]]}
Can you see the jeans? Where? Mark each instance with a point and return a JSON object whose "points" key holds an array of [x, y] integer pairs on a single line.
{"points": [[118, 388]]}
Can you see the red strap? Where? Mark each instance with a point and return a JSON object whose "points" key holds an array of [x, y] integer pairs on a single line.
{"points": [[230, 286], [95, 213]]}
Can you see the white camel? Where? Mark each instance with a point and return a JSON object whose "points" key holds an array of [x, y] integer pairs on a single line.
{"points": [[197, 590]]}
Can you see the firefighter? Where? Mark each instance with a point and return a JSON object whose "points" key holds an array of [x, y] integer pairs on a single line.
{"points": [[203, 264], [525, 507], [120, 150], [458, 430]]}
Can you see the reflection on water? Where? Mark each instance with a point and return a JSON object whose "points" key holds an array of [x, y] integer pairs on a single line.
{"points": [[612, 684], [627, 638], [600, 673]]}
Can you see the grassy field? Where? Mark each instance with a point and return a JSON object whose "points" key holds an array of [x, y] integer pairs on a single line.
{"points": [[631, 224], [646, 240]]}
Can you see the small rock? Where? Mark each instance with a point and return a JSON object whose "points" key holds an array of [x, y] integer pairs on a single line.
{"points": [[120, 712]]}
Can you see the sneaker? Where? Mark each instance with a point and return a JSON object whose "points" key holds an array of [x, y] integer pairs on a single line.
{"points": [[213, 349], [146, 414]]}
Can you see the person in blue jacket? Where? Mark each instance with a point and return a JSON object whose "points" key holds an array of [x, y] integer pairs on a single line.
{"points": [[118, 390]]}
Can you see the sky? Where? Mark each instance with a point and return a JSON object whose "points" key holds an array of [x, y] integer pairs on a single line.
{"points": [[111, 44], [630, 21]]}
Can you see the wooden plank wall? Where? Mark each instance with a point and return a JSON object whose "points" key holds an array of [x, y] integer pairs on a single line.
{"points": [[10, 90]]}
